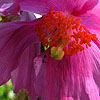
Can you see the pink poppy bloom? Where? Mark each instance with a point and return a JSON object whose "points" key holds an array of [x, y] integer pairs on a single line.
{"points": [[69, 69]]}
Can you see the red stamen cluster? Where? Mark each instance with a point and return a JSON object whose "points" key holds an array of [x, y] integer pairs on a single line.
{"points": [[56, 29]]}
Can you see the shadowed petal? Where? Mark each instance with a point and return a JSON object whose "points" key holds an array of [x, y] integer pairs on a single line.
{"points": [[50, 82], [27, 16], [35, 6], [96, 72], [41, 82], [23, 76], [14, 38]]}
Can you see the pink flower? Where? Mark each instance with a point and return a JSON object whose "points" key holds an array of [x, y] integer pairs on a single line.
{"points": [[69, 69]]}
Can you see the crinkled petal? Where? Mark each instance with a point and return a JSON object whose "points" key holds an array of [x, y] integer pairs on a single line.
{"points": [[92, 89], [96, 60], [50, 82], [95, 81], [96, 10], [72, 6], [9, 6], [91, 21], [83, 6], [70, 78], [23, 76], [14, 38]]}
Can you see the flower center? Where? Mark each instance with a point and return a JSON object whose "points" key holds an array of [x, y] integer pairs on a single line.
{"points": [[64, 34]]}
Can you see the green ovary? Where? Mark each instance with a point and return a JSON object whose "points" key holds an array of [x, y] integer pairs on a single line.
{"points": [[57, 53]]}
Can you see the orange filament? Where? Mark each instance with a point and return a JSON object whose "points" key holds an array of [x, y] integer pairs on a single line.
{"points": [[63, 32]]}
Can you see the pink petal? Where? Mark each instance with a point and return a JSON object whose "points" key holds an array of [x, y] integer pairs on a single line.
{"points": [[92, 89], [75, 7], [14, 38], [96, 10], [91, 21], [41, 83], [9, 6], [83, 6], [96, 72], [67, 98], [35, 6], [50, 83], [23, 76], [70, 78]]}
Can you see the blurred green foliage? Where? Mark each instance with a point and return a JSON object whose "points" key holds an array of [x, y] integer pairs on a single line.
{"points": [[6, 91]]}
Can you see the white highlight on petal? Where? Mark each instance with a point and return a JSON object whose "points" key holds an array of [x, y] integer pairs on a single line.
{"points": [[37, 15]]}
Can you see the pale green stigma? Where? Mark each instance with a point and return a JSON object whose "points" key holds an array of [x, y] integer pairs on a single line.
{"points": [[57, 53]]}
